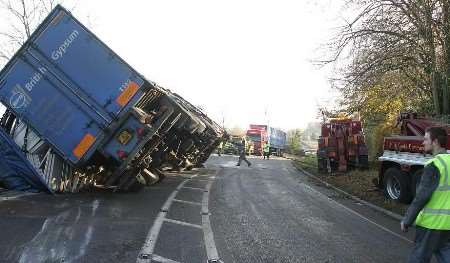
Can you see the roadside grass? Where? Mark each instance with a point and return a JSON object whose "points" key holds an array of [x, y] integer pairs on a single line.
{"points": [[356, 182]]}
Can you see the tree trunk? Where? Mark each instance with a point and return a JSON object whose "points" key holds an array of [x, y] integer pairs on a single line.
{"points": [[435, 90], [446, 29], [435, 75]]}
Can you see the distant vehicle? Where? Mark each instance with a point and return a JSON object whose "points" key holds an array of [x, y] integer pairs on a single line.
{"points": [[277, 141], [232, 145], [259, 135]]}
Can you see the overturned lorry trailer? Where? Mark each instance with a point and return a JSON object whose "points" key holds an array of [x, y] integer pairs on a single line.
{"points": [[204, 142], [190, 140], [82, 115]]}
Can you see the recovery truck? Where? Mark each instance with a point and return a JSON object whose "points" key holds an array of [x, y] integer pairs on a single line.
{"points": [[78, 115], [403, 158], [341, 144]]}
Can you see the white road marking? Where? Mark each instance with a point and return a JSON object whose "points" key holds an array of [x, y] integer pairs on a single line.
{"points": [[202, 180], [146, 253], [152, 237], [182, 223], [211, 250], [351, 210], [193, 188], [186, 202], [163, 260], [11, 195], [358, 214]]}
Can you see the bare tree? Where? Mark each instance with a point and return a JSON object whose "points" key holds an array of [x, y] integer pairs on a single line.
{"points": [[405, 40], [23, 16]]}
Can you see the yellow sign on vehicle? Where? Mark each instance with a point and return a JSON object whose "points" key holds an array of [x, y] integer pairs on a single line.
{"points": [[124, 137]]}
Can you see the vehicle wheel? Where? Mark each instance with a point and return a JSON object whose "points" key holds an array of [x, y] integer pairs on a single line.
{"points": [[131, 181], [397, 185], [136, 186], [160, 174]]}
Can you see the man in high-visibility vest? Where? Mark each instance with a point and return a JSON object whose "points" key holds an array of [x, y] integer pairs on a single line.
{"points": [[430, 208]]}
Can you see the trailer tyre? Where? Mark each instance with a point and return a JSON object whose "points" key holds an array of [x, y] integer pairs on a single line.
{"points": [[397, 185]]}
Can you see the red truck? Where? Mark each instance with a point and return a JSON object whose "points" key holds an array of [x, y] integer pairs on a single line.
{"points": [[341, 144], [403, 157], [258, 137]]}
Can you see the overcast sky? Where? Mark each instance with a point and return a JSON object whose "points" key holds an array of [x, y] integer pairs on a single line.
{"points": [[245, 61]]}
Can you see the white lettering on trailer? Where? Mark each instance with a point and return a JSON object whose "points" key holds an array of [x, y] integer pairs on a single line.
{"points": [[37, 76], [62, 49], [19, 97], [124, 85]]}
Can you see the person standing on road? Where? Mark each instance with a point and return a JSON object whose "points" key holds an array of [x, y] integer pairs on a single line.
{"points": [[431, 207], [241, 148], [266, 150]]}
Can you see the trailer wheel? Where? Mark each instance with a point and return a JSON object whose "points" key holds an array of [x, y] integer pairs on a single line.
{"points": [[137, 183], [397, 185], [131, 181]]}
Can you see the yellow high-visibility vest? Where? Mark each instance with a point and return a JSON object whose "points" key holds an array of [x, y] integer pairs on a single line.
{"points": [[436, 213]]}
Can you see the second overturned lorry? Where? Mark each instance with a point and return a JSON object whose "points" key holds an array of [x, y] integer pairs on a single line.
{"points": [[78, 115], [403, 158]]}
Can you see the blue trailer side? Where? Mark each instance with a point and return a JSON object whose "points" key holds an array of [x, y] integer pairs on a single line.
{"points": [[78, 111], [69, 86], [277, 140], [84, 117]]}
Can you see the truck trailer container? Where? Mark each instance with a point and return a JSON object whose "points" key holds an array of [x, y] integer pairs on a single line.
{"points": [[82, 116]]}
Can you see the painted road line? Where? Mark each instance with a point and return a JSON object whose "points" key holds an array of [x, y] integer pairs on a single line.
{"points": [[202, 180], [193, 188], [186, 202], [211, 250], [358, 214], [11, 195], [162, 259], [182, 223], [357, 199], [145, 255]]}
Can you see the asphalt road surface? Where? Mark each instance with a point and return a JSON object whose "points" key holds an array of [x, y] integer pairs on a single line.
{"points": [[269, 212]]}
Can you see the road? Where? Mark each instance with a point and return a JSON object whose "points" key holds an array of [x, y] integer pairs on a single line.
{"points": [[269, 212]]}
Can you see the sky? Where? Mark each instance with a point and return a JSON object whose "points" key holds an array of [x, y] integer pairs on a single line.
{"points": [[242, 62]]}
